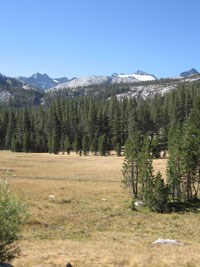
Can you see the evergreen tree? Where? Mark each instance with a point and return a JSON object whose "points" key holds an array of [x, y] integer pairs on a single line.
{"points": [[191, 154], [102, 145], [94, 145], [146, 172], [67, 145], [62, 141], [118, 149], [133, 123], [156, 147], [160, 195], [77, 145], [55, 142], [86, 146], [17, 144], [91, 123], [130, 168], [26, 141], [10, 130], [175, 163]]}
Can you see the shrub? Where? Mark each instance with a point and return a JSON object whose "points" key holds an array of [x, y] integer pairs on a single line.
{"points": [[160, 194], [12, 215]]}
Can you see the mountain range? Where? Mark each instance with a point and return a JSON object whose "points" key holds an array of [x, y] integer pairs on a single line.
{"points": [[44, 82], [36, 88], [113, 79]]}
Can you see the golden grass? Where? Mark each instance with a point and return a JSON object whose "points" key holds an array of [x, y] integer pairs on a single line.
{"points": [[89, 222]]}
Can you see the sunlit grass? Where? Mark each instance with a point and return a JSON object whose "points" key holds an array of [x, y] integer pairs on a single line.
{"points": [[89, 222]]}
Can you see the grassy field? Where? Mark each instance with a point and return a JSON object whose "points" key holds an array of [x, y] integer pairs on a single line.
{"points": [[89, 222]]}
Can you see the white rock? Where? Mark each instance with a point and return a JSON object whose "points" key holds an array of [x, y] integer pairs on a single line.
{"points": [[161, 241], [51, 197], [139, 203]]}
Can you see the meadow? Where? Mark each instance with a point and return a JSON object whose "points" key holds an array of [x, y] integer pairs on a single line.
{"points": [[88, 221]]}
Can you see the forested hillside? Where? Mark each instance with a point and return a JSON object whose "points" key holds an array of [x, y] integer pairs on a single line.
{"points": [[14, 93]]}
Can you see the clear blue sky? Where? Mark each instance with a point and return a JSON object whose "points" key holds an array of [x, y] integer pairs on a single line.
{"points": [[87, 37]]}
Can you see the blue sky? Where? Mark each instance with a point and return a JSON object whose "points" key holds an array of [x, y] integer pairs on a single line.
{"points": [[88, 37]]}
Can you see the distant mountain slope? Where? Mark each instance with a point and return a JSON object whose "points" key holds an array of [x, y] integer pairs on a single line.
{"points": [[115, 78], [8, 83], [138, 84], [135, 89], [17, 93], [84, 81], [42, 81], [188, 73], [139, 76]]}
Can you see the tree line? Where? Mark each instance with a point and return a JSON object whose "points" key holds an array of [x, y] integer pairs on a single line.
{"points": [[94, 124], [145, 127]]}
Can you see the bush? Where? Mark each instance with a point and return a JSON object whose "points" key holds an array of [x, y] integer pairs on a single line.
{"points": [[159, 199], [12, 215]]}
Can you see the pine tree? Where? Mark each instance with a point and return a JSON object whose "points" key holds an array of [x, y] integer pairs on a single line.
{"points": [[86, 146], [130, 167], [67, 145], [118, 149], [94, 145], [191, 154], [55, 142], [62, 141], [102, 145], [26, 141], [146, 172], [77, 144], [156, 148], [10, 130], [160, 196], [133, 123], [17, 144], [50, 143], [175, 163], [91, 123]]}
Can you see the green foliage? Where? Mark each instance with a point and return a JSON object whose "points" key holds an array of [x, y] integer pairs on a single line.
{"points": [[183, 164], [118, 149], [145, 171], [42, 129], [102, 145], [67, 145], [77, 145], [160, 195], [93, 119], [86, 146], [156, 147], [94, 146], [26, 141], [137, 173], [54, 142], [130, 167], [175, 163], [12, 215]]}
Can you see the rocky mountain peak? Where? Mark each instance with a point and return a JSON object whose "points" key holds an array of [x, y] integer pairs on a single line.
{"points": [[189, 73]]}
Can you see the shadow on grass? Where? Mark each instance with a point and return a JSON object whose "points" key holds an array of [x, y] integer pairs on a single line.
{"points": [[187, 206]]}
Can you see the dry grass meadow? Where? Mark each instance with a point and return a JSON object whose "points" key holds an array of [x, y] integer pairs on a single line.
{"points": [[89, 222]]}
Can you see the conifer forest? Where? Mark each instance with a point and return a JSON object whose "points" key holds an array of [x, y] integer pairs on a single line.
{"points": [[138, 128]]}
